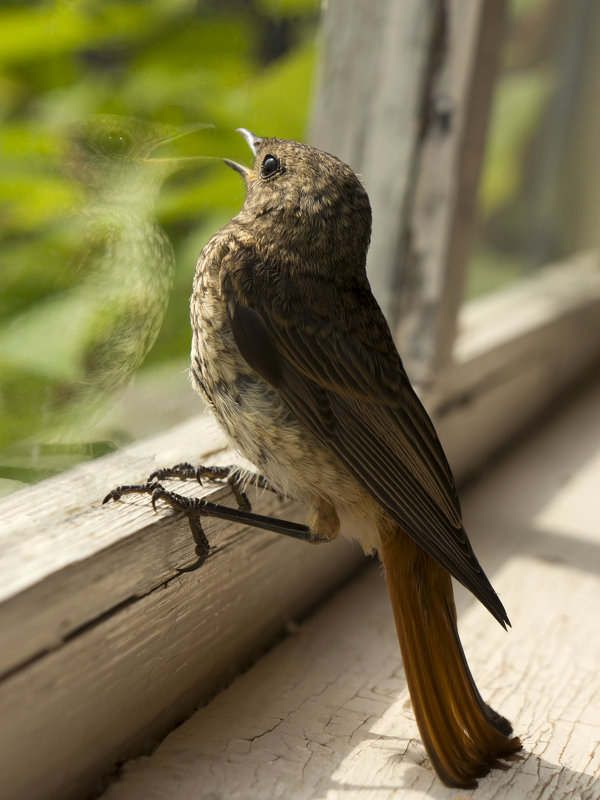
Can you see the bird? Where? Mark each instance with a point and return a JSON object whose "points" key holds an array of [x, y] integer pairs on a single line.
{"points": [[296, 360], [294, 357]]}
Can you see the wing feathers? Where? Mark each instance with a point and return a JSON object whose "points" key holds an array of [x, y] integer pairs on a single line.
{"points": [[344, 380], [254, 342]]}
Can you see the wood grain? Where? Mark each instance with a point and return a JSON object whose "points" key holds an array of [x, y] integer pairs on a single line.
{"points": [[368, 111], [442, 215], [327, 715], [410, 116], [105, 647]]}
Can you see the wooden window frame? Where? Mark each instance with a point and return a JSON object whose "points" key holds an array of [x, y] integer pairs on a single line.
{"points": [[106, 645]]}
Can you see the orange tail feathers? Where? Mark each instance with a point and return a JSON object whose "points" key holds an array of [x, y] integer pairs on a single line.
{"points": [[463, 736]]}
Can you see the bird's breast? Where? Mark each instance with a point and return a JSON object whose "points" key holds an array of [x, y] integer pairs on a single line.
{"points": [[254, 417], [252, 414]]}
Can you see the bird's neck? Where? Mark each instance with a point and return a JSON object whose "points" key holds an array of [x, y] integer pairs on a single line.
{"points": [[304, 242]]}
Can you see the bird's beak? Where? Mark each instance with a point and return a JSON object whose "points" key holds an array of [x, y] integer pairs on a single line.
{"points": [[244, 171], [253, 141], [253, 144]]}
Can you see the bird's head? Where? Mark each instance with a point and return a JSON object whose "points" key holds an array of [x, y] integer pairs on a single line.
{"points": [[304, 199]]}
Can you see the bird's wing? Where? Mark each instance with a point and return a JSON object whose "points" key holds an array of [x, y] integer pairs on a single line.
{"points": [[334, 363]]}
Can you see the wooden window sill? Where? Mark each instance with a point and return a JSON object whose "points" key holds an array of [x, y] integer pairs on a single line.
{"points": [[105, 646], [327, 714]]}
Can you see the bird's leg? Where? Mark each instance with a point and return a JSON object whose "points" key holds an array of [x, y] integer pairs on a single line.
{"points": [[195, 508], [323, 521]]}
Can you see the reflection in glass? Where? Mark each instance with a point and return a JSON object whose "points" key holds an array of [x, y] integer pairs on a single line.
{"points": [[68, 352], [99, 229]]}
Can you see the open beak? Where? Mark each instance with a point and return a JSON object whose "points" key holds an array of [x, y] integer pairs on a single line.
{"points": [[252, 140], [253, 143]]}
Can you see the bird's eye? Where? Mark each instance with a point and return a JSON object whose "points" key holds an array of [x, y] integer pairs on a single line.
{"points": [[270, 166]]}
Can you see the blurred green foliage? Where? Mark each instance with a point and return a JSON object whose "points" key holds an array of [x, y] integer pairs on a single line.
{"points": [[76, 219]]}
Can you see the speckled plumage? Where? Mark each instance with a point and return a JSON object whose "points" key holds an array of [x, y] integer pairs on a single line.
{"points": [[295, 255], [253, 415], [294, 356]]}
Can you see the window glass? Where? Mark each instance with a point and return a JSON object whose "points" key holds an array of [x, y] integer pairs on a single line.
{"points": [[539, 196], [100, 225]]}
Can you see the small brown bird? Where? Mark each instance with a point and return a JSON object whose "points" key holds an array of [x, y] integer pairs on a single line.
{"points": [[296, 360]]}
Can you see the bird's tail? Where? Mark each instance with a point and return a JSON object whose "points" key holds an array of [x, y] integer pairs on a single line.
{"points": [[463, 736]]}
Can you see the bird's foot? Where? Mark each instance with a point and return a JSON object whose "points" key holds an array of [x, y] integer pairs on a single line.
{"points": [[195, 508], [229, 474], [177, 502]]}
